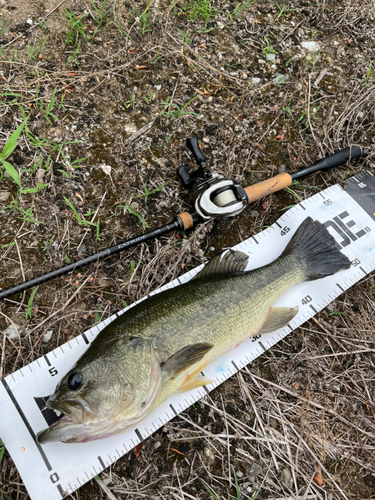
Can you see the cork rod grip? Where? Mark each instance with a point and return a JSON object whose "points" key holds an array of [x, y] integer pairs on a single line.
{"points": [[258, 191], [186, 220]]}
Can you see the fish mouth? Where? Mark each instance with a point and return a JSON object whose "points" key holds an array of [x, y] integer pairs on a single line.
{"points": [[73, 411]]}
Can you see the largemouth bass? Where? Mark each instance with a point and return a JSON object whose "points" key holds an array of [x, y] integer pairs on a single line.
{"points": [[160, 346]]}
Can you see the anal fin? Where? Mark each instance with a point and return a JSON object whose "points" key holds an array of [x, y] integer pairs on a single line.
{"points": [[194, 382], [277, 318]]}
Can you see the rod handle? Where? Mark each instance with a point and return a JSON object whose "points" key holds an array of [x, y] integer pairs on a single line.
{"points": [[335, 160], [269, 186]]}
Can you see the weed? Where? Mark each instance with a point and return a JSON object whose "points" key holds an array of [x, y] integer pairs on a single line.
{"points": [[121, 29], [100, 15], [30, 303], [48, 243], [77, 28], [200, 9], [97, 318], [268, 49], [336, 312], [143, 19], [6, 152], [2, 30], [81, 221], [240, 8], [33, 52], [292, 192], [139, 216], [149, 98], [50, 107], [283, 10], [124, 303], [73, 58], [34, 190], [177, 112], [25, 215], [364, 83], [2, 450], [131, 100], [147, 193]]}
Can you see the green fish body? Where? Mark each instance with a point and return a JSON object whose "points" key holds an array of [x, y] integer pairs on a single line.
{"points": [[160, 346]]}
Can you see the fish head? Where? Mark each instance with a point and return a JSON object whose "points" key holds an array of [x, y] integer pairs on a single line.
{"points": [[105, 392]]}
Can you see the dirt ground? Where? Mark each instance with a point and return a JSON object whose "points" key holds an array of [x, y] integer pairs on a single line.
{"points": [[88, 75]]}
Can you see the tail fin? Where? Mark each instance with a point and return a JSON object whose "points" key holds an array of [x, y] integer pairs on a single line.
{"points": [[315, 248]]}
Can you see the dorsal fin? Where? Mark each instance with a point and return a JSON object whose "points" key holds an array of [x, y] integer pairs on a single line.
{"points": [[228, 262]]}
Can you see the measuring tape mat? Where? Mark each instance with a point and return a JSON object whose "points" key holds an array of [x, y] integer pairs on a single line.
{"points": [[54, 470]]}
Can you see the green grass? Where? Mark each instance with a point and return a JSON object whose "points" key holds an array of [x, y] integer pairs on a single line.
{"points": [[147, 193], [139, 216], [81, 220], [283, 10], [33, 52], [200, 10], [8, 149], [76, 26], [268, 49], [30, 303], [364, 83], [239, 9]]}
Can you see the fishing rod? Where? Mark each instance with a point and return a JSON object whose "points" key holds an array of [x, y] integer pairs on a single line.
{"points": [[216, 198]]}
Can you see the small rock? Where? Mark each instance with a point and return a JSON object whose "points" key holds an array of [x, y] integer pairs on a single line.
{"points": [[209, 98], [280, 78], [12, 333], [130, 127], [157, 445], [244, 76], [106, 169], [286, 477], [255, 81], [329, 59], [47, 336], [208, 453], [254, 470], [29, 21], [4, 195], [134, 205], [261, 61], [81, 250], [310, 46], [39, 176], [270, 57], [239, 474], [158, 87]]}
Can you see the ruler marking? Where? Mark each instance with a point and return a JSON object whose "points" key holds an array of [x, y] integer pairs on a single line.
{"points": [[277, 224], [85, 338], [262, 346], [139, 435], [236, 367], [174, 411], [313, 308], [101, 462], [302, 206], [26, 422], [62, 492], [256, 241], [361, 268], [47, 360], [288, 325], [205, 388]]}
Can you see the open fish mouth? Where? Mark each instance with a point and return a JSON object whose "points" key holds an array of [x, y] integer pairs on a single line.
{"points": [[73, 411]]}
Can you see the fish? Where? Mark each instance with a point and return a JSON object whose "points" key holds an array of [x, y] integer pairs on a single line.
{"points": [[160, 346]]}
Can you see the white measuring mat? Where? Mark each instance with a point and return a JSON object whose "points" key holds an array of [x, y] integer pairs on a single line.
{"points": [[54, 470]]}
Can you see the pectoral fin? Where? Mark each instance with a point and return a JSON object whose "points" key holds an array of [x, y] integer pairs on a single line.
{"points": [[185, 357], [277, 318]]}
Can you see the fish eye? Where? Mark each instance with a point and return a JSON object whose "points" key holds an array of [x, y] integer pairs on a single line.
{"points": [[75, 380]]}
